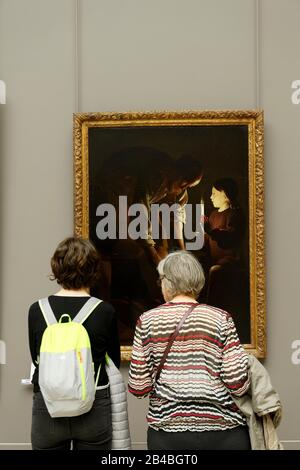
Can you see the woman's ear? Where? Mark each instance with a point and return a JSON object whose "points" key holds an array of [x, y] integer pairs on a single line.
{"points": [[166, 293]]}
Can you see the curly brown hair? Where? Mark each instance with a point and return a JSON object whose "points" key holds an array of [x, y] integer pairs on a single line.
{"points": [[75, 264]]}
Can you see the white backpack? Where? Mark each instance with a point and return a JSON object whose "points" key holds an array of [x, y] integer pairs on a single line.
{"points": [[66, 369]]}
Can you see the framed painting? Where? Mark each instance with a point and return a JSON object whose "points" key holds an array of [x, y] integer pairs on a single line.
{"points": [[146, 184]]}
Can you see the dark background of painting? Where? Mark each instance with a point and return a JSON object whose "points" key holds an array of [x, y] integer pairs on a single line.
{"points": [[223, 151]]}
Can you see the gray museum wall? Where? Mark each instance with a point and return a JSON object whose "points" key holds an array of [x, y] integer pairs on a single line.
{"points": [[91, 55]]}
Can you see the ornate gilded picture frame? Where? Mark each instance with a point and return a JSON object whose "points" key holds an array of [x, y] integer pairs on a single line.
{"points": [[207, 161]]}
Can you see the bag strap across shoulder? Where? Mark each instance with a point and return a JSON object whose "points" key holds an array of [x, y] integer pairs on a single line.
{"points": [[47, 311], [87, 309], [81, 316], [171, 340]]}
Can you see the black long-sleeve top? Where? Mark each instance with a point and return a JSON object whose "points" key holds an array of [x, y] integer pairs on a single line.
{"points": [[101, 326]]}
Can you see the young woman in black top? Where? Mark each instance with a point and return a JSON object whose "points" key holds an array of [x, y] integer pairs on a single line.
{"points": [[75, 267]]}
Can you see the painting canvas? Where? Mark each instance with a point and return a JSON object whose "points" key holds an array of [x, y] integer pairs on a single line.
{"points": [[147, 184]]}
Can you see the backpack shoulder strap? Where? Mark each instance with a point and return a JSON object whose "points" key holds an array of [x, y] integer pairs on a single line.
{"points": [[47, 311], [87, 309]]}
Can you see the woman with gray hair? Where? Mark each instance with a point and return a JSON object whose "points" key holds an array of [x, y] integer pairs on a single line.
{"points": [[187, 357]]}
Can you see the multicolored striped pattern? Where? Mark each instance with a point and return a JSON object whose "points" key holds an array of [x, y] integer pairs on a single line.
{"points": [[205, 366]]}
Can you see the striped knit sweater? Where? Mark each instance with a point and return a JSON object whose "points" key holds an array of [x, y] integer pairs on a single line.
{"points": [[204, 368]]}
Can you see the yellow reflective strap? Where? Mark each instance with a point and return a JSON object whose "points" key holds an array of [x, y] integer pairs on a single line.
{"points": [[79, 358], [106, 358]]}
